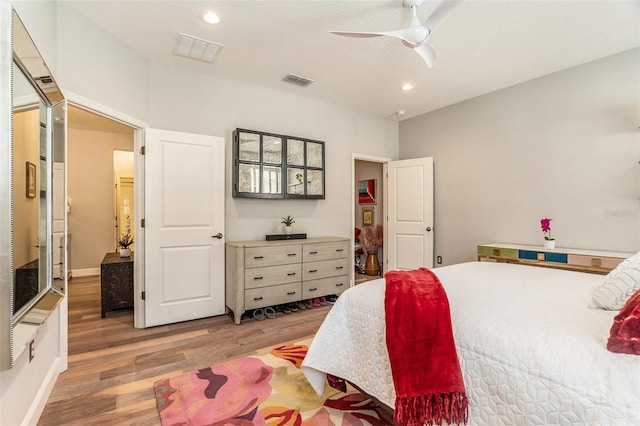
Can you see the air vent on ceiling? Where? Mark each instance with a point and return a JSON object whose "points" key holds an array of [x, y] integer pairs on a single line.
{"points": [[297, 80], [196, 48]]}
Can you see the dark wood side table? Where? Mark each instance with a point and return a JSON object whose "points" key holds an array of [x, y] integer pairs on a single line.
{"points": [[116, 282], [26, 285]]}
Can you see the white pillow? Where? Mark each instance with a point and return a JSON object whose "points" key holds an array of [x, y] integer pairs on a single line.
{"points": [[618, 285]]}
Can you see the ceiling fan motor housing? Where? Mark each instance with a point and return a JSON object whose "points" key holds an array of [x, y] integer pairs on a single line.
{"points": [[416, 35], [412, 3]]}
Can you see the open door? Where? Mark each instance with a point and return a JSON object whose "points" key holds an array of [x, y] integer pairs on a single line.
{"points": [[184, 226], [410, 213]]}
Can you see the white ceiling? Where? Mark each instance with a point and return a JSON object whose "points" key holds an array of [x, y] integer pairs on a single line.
{"points": [[482, 47]]}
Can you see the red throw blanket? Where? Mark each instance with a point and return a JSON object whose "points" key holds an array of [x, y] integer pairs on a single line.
{"points": [[424, 362]]}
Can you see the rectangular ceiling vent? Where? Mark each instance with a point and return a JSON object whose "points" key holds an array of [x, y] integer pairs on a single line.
{"points": [[297, 80], [196, 48]]}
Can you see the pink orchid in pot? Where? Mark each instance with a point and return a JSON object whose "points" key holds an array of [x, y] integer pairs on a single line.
{"points": [[549, 243]]}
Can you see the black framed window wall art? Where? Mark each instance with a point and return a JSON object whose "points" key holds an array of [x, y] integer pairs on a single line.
{"points": [[273, 166]]}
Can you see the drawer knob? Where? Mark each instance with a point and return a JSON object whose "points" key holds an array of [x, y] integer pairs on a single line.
{"points": [[258, 278], [339, 267], [313, 289], [257, 298], [291, 293], [339, 249], [258, 257], [313, 252], [313, 270], [339, 285], [291, 254], [291, 274]]}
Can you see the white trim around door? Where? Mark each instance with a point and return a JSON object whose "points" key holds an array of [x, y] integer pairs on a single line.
{"points": [[138, 185]]}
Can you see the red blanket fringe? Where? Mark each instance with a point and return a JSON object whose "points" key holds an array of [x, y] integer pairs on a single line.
{"points": [[432, 409], [424, 362]]}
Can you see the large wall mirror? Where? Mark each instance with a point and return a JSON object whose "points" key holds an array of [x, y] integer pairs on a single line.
{"points": [[33, 262]]}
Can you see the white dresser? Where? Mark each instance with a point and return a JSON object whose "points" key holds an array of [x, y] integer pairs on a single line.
{"points": [[268, 273]]}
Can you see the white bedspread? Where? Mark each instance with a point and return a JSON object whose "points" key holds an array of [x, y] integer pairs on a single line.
{"points": [[531, 351]]}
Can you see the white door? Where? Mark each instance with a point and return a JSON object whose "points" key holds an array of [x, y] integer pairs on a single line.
{"points": [[184, 226], [410, 213]]}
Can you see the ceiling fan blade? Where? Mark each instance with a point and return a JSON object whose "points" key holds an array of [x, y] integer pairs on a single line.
{"points": [[356, 34], [427, 53], [401, 34], [440, 14]]}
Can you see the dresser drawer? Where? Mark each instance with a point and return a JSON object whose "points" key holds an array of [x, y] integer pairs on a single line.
{"points": [[324, 269], [324, 251], [274, 295], [317, 288], [272, 275], [275, 255]]}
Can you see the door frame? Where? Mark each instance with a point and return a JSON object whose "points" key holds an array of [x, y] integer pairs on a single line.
{"points": [[138, 194], [373, 159]]}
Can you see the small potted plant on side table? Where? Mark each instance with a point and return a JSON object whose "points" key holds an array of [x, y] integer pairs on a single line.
{"points": [[124, 242], [549, 242]]}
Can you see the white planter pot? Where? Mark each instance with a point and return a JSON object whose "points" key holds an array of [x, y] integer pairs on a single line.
{"points": [[125, 252], [287, 230], [549, 244]]}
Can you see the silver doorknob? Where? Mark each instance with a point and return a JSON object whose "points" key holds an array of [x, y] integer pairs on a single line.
{"points": [[428, 229], [218, 236]]}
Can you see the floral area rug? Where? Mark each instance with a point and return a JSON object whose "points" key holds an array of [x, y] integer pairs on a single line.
{"points": [[267, 389]]}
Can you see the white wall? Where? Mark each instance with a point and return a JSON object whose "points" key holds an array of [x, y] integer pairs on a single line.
{"points": [[565, 146], [24, 389], [199, 103], [97, 66]]}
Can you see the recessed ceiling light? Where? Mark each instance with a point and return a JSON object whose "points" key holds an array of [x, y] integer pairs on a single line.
{"points": [[407, 87], [211, 18]]}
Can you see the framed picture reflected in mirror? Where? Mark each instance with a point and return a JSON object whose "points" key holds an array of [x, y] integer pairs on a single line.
{"points": [[31, 180]]}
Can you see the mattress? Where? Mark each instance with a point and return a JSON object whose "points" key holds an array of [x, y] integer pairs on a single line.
{"points": [[531, 350]]}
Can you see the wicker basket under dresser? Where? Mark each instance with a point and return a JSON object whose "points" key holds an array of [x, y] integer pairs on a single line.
{"points": [[268, 273]]}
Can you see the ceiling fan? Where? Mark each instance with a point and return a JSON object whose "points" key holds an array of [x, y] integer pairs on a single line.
{"points": [[416, 34]]}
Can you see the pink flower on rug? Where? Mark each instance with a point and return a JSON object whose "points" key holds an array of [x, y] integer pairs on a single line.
{"points": [[229, 393]]}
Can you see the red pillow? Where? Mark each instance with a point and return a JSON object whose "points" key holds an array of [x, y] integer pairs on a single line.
{"points": [[625, 332]]}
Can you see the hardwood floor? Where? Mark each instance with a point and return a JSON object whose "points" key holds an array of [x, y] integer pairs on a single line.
{"points": [[362, 278], [112, 366]]}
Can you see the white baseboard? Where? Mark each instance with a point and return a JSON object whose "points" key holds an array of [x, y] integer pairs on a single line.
{"points": [[85, 272], [40, 401]]}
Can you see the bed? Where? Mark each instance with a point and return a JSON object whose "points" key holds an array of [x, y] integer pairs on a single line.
{"points": [[531, 350]]}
